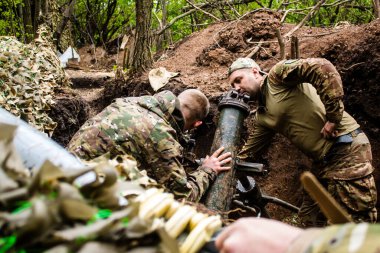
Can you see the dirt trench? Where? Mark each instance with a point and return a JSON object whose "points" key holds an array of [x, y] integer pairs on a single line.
{"points": [[202, 60]]}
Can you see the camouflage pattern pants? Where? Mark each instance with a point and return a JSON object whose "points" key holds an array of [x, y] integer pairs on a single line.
{"points": [[347, 175]]}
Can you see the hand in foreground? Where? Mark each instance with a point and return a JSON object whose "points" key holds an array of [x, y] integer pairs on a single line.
{"points": [[216, 161], [328, 131], [256, 235]]}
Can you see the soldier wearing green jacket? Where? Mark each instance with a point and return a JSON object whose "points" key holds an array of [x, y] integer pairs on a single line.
{"points": [[150, 128], [302, 100], [258, 235]]}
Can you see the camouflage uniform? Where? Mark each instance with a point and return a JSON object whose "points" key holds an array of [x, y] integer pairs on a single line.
{"points": [[289, 105], [358, 238], [149, 128]]}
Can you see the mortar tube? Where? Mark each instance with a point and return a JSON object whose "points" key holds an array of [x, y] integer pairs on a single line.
{"points": [[233, 110]]}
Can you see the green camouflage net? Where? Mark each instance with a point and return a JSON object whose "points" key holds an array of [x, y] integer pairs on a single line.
{"points": [[28, 76], [103, 207], [69, 210]]}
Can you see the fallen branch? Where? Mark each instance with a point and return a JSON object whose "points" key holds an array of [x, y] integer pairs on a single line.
{"points": [[255, 49], [286, 4], [189, 12], [208, 5], [234, 10], [175, 20], [336, 3], [284, 17], [307, 18], [205, 12], [286, 12]]}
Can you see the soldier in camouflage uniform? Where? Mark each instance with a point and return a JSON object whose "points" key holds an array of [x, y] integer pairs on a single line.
{"points": [[253, 235], [302, 100], [150, 128]]}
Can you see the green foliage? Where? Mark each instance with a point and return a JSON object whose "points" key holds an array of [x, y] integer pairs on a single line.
{"points": [[6, 243], [9, 21], [100, 21], [332, 12]]}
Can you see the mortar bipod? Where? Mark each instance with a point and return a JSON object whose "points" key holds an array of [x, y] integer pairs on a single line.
{"points": [[250, 198]]}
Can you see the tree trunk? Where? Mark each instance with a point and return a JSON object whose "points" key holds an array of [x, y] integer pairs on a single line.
{"points": [[142, 57], [61, 27], [36, 15], [21, 22], [105, 32], [44, 7], [281, 43], [294, 48], [28, 23], [163, 38], [376, 8]]}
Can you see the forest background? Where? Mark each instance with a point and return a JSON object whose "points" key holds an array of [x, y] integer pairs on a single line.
{"points": [[153, 25]]}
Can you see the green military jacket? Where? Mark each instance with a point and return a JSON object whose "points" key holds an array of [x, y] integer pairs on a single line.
{"points": [[148, 128], [355, 238], [297, 98]]}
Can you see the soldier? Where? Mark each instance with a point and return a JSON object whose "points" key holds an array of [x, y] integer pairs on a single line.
{"points": [[253, 235], [302, 100], [150, 128]]}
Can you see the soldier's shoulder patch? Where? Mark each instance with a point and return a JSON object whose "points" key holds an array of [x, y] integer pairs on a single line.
{"points": [[290, 61]]}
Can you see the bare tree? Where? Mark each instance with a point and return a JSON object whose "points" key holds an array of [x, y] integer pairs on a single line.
{"points": [[142, 57]]}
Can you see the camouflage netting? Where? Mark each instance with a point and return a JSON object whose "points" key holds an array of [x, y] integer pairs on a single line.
{"points": [[102, 207], [28, 76]]}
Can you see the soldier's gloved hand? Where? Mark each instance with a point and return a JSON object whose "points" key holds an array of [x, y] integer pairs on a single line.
{"points": [[217, 161], [328, 131]]}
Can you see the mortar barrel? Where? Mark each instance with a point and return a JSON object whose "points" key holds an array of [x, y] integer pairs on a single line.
{"points": [[233, 110]]}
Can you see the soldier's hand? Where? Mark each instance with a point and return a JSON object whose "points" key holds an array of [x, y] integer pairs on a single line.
{"points": [[217, 161], [328, 131], [254, 235]]}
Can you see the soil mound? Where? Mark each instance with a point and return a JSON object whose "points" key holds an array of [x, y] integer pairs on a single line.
{"points": [[202, 60]]}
